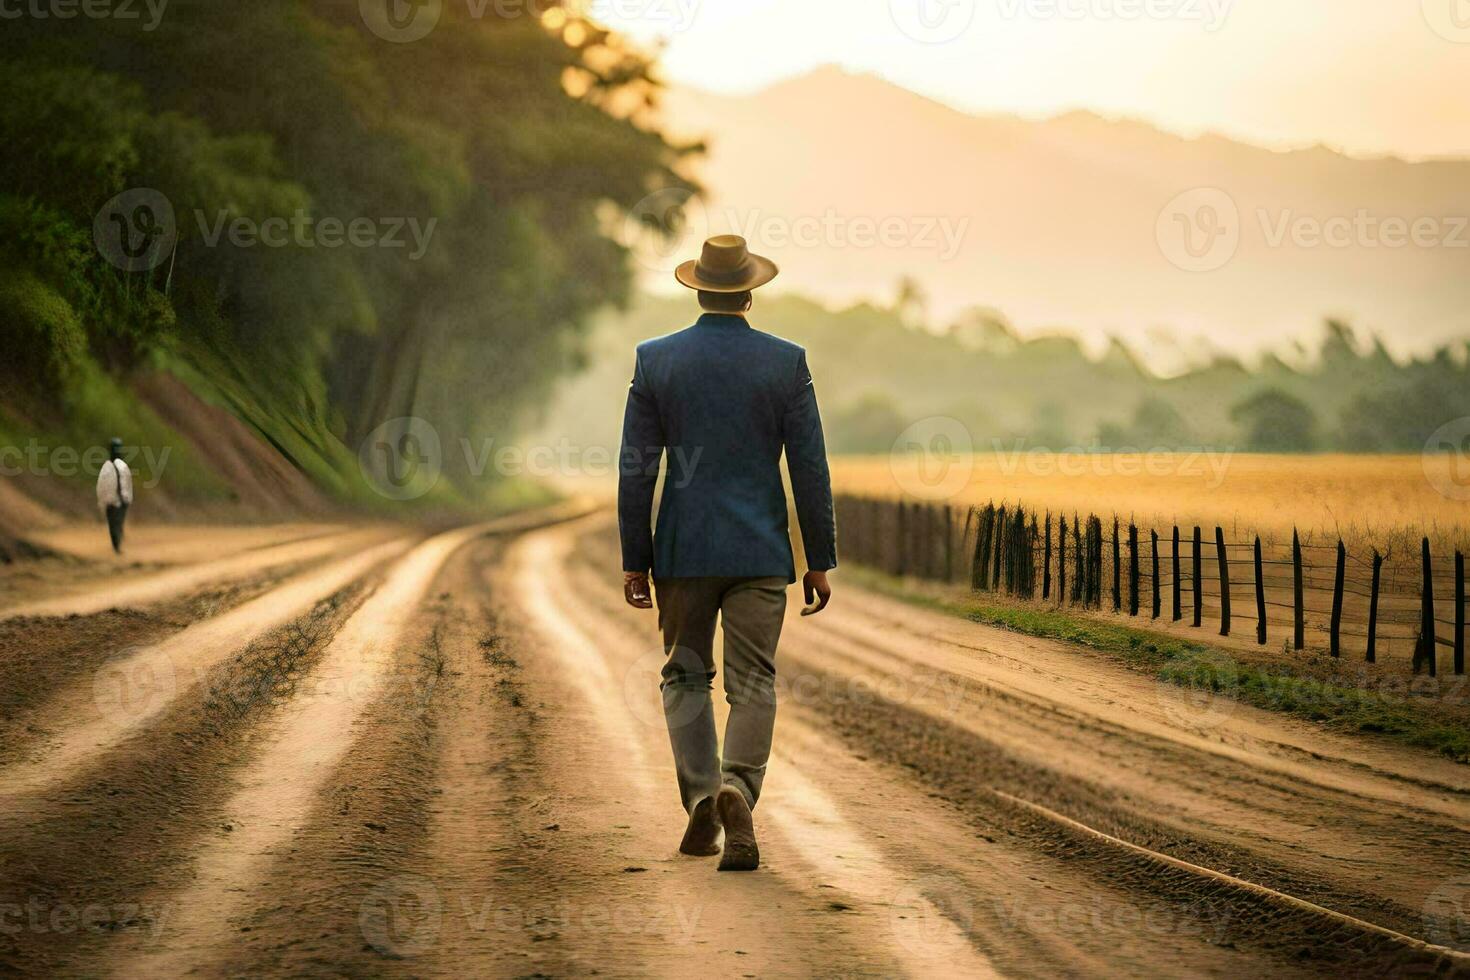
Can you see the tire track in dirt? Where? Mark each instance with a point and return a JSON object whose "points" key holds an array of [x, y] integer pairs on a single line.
{"points": [[1059, 674], [1027, 915], [944, 759], [136, 687], [41, 656], [121, 591], [1349, 850], [292, 761], [172, 544], [77, 869]]}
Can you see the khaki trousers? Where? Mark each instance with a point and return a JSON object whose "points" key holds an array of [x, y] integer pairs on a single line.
{"points": [[750, 612]]}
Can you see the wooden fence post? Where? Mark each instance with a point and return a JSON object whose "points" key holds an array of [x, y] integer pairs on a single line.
{"points": [[926, 542], [1030, 558], [978, 564], [1373, 608], [1016, 523], [1046, 562], [948, 543], [918, 540], [1154, 553], [1299, 604], [1459, 612], [1095, 556], [1086, 577], [1132, 569], [1427, 631], [1117, 567], [1337, 599], [873, 534], [1178, 595], [1000, 538], [1224, 560], [932, 524], [902, 538], [1079, 559], [1199, 598], [1062, 560], [1260, 597]]}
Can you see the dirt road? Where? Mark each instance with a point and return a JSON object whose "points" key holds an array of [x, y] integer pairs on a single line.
{"points": [[376, 752]]}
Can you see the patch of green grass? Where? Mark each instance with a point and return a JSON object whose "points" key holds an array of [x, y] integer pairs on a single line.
{"points": [[1417, 721]]}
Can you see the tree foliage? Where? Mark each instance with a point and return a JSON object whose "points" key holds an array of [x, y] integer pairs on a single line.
{"points": [[279, 109]]}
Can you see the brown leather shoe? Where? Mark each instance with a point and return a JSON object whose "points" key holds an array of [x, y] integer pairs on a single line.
{"points": [[702, 836], [741, 852]]}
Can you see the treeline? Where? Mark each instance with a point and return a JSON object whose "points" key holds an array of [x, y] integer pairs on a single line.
{"points": [[508, 139], [878, 374]]}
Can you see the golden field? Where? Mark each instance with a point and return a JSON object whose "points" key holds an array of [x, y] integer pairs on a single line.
{"points": [[1379, 500]]}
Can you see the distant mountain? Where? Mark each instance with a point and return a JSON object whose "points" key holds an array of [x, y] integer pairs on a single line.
{"points": [[1066, 223]]}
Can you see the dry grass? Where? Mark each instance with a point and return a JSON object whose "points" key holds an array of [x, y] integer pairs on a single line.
{"points": [[1387, 502]]}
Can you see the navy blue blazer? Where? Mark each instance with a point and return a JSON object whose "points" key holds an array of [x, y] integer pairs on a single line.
{"points": [[721, 400]]}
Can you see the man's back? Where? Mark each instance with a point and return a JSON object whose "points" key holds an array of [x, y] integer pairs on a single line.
{"points": [[723, 400]]}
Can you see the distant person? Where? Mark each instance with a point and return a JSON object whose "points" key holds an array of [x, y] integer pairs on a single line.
{"points": [[115, 493], [721, 401]]}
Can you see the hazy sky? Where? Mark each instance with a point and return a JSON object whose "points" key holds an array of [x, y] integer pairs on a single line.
{"points": [[1366, 76]]}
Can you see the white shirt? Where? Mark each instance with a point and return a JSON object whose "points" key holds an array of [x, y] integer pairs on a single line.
{"points": [[114, 484]]}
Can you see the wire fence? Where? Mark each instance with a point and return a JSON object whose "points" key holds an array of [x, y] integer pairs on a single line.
{"points": [[1369, 603]]}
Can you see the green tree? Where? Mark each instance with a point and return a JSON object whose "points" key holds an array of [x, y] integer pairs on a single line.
{"points": [[515, 142], [868, 426], [1273, 421]]}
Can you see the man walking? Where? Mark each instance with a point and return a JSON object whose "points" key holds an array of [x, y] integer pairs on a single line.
{"points": [[722, 400], [115, 493]]}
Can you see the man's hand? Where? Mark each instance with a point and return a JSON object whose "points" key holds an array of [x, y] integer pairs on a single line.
{"points": [[635, 590], [818, 592]]}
